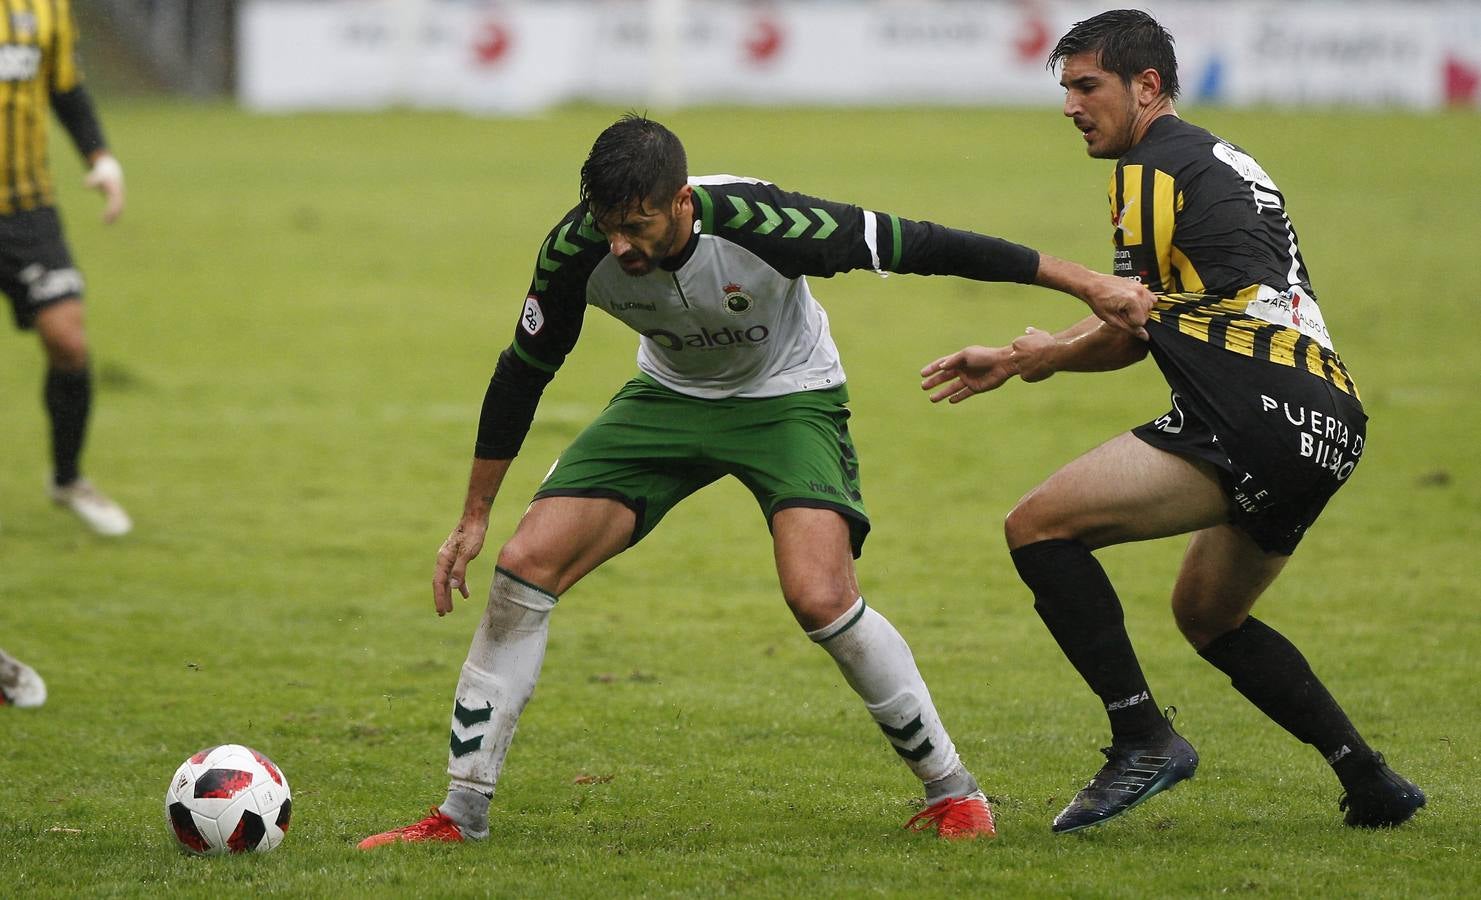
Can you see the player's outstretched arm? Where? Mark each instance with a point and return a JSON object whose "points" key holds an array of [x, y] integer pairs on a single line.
{"points": [[968, 372], [466, 540], [1119, 302], [1089, 345]]}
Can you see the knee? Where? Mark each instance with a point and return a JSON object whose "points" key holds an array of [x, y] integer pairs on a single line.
{"points": [[66, 351], [522, 560], [1202, 623], [818, 608], [1028, 522]]}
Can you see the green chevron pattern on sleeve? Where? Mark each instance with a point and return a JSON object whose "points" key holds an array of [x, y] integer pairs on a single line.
{"points": [[588, 229], [743, 213], [829, 225], [799, 223], [770, 219], [562, 245]]}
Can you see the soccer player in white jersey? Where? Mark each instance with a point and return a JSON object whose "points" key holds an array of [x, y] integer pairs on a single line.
{"points": [[737, 376]]}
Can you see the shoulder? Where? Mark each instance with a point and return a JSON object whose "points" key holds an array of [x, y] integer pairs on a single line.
{"points": [[746, 209], [726, 194], [1177, 147], [572, 247]]}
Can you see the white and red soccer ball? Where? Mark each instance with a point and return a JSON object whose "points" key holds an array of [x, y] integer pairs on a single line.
{"points": [[228, 799]]}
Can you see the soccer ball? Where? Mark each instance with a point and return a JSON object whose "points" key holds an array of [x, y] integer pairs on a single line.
{"points": [[228, 799]]}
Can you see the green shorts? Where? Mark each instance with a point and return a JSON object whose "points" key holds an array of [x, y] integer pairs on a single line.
{"points": [[652, 447]]}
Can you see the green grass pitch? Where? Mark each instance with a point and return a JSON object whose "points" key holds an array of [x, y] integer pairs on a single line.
{"points": [[293, 326]]}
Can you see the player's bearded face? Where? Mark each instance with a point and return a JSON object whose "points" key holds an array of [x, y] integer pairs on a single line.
{"points": [[645, 234], [1103, 108]]}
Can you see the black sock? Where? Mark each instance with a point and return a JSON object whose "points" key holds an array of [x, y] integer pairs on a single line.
{"points": [[1075, 599], [1273, 675], [68, 397]]}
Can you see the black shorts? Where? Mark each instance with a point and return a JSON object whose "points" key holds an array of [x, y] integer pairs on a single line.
{"points": [[1284, 440], [36, 267]]}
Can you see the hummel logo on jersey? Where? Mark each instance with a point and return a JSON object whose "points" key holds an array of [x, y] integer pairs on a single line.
{"points": [[1133, 700]]}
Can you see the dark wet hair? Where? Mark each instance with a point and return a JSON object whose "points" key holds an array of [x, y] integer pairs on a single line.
{"points": [[1126, 42], [633, 160]]}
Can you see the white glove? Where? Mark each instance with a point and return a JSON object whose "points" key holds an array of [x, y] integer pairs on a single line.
{"points": [[106, 176]]}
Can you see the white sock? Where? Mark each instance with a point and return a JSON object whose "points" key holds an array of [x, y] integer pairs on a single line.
{"points": [[496, 683], [878, 665]]}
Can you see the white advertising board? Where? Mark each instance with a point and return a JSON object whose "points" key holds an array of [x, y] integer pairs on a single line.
{"points": [[518, 56]]}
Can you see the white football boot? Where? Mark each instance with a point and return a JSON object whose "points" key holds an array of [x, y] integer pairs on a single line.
{"points": [[19, 684], [93, 507]]}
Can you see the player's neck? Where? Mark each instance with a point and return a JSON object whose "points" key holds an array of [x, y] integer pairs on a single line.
{"points": [[1151, 114]]}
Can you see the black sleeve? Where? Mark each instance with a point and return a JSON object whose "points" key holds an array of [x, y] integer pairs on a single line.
{"points": [[509, 406], [930, 249], [75, 111], [549, 326], [802, 235]]}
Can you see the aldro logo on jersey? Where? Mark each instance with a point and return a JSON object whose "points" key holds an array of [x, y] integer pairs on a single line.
{"points": [[708, 338]]}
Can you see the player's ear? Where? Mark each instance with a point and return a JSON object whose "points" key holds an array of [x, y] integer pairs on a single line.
{"points": [[683, 197], [1148, 86]]}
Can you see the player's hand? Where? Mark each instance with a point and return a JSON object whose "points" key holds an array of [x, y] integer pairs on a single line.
{"points": [[968, 372], [1119, 302], [460, 548], [1031, 354], [106, 177]]}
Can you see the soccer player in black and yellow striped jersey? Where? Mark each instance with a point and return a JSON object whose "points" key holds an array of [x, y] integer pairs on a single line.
{"points": [[1265, 426], [39, 71]]}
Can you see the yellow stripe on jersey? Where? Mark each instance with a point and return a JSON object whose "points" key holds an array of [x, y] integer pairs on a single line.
{"points": [[1195, 315], [1239, 336], [10, 95], [65, 75], [1163, 219], [1187, 277], [1129, 216]]}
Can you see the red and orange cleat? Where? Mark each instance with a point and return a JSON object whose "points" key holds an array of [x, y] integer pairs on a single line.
{"points": [[436, 827], [957, 818]]}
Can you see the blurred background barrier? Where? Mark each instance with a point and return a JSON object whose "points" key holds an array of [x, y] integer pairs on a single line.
{"points": [[184, 46], [519, 56]]}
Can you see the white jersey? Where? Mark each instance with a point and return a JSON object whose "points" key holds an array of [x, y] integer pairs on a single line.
{"points": [[732, 315]]}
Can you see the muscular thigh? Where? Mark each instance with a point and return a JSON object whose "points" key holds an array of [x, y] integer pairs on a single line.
{"points": [[562, 539], [1124, 490], [814, 564]]}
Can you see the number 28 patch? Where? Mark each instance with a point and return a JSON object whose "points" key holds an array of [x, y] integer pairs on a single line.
{"points": [[532, 319]]}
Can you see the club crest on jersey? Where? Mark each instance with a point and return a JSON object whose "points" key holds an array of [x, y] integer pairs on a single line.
{"points": [[737, 301]]}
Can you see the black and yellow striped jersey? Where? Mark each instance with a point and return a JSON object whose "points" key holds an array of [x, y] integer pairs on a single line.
{"points": [[1199, 222], [38, 63]]}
